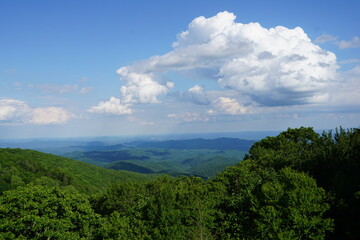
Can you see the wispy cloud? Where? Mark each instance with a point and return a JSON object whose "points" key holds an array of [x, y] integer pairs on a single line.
{"points": [[52, 88], [349, 61], [353, 43], [85, 90], [325, 38], [61, 89], [342, 44], [190, 117], [11, 70], [141, 122]]}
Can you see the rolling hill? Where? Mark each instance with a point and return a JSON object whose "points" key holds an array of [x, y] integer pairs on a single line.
{"points": [[204, 163], [20, 167]]}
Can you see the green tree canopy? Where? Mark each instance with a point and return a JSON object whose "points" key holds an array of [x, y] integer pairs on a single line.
{"points": [[262, 203], [37, 212], [332, 159]]}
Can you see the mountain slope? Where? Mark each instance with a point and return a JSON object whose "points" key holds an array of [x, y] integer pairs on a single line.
{"points": [[19, 167]]}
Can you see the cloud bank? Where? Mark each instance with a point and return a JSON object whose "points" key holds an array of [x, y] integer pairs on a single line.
{"points": [[12, 110], [274, 67], [50, 115], [16, 111]]}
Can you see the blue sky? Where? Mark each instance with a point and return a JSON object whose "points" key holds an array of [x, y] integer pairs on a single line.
{"points": [[101, 68]]}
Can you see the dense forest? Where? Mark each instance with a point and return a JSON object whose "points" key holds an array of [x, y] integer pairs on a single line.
{"points": [[297, 185]]}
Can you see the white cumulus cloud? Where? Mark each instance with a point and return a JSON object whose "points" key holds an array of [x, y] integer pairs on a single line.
{"points": [[50, 115], [12, 110], [16, 111], [274, 67], [196, 95], [113, 106], [141, 87], [225, 105]]}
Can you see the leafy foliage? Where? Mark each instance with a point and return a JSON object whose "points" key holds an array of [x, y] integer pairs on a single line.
{"points": [[262, 203], [297, 185], [165, 208], [332, 159], [20, 167], [37, 212]]}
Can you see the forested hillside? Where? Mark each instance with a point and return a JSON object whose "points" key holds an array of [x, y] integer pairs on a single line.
{"points": [[297, 185], [21, 167], [204, 163]]}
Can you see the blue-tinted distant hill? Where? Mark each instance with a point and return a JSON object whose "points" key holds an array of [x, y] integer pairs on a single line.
{"points": [[203, 163], [198, 157], [199, 143], [60, 146]]}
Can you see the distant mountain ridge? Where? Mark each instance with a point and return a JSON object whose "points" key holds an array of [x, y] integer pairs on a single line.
{"points": [[198, 143], [197, 157], [62, 146], [204, 163]]}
